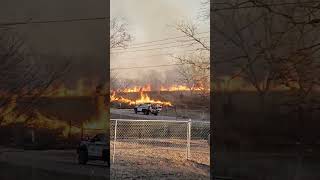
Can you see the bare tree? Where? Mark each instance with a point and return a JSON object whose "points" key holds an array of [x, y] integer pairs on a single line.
{"points": [[262, 37], [119, 36], [195, 67], [273, 44], [114, 81], [205, 10], [20, 77], [195, 72]]}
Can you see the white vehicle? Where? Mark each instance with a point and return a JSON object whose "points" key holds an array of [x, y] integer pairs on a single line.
{"points": [[96, 148], [148, 108]]}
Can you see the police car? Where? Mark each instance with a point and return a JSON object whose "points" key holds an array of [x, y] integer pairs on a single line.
{"points": [[148, 108], [96, 148]]}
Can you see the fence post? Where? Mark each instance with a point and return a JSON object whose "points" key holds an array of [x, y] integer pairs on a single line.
{"points": [[82, 131], [114, 141], [32, 136], [188, 139]]}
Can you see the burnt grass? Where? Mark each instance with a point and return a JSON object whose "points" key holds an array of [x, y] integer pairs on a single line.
{"points": [[243, 124], [277, 143]]}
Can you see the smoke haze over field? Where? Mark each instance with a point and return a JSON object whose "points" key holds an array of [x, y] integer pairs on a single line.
{"points": [[80, 42], [151, 20]]}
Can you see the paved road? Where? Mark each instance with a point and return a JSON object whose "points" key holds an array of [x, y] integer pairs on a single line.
{"points": [[61, 164], [129, 114], [58, 161]]}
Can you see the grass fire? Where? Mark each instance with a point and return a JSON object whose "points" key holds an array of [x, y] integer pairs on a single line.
{"points": [[174, 87], [59, 110], [144, 98]]}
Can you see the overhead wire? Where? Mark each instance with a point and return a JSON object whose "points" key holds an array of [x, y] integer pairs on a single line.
{"points": [[174, 42], [234, 7], [30, 21], [143, 67], [170, 38]]}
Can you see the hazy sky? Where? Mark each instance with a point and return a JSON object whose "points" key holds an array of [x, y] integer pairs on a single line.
{"points": [[84, 41], [150, 20]]}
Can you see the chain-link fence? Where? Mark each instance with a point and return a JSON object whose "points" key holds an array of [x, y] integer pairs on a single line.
{"points": [[200, 142], [183, 139]]}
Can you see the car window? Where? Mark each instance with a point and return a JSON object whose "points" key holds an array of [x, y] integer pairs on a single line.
{"points": [[102, 137], [99, 138]]}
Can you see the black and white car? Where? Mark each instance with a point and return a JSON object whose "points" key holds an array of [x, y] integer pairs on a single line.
{"points": [[96, 148], [148, 108]]}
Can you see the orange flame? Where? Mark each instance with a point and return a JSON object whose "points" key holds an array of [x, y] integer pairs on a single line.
{"points": [[37, 120], [144, 98], [40, 121], [172, 88], [146, 88], [175, 88]]}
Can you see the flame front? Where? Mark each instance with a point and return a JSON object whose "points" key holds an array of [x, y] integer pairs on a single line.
{"points": [[171, 88], [144, 98], [146, 88], [36, 119]]}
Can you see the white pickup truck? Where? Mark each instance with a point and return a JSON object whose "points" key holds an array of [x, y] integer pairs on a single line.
{"points": [[148, 108], [96, 148]]}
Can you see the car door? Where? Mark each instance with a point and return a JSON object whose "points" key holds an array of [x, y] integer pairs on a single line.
{"points": [[92, 149], [139, 108], [95, 147]]}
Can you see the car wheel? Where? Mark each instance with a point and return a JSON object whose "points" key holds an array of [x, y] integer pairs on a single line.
{"points": [[147, 112], [136, 111], [82, 157], [106, 156]]}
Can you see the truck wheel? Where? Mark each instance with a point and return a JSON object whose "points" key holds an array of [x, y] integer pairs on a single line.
{"points": [[82, 157], [106, 156]]}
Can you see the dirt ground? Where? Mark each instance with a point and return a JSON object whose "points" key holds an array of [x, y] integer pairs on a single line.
{"points": [[134, 161], [158, 160]]}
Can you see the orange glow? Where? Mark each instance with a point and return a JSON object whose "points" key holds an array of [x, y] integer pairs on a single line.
{"points": [[146, 88], [144, 98], [172, 88], [98, 120], [62, 91], [40, 121], [37, 120]]}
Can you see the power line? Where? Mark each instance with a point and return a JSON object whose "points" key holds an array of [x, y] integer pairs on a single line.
{"points": [[51, 21], [264, 5], [190, 44], [142, 67], [134, 47], [177, 37], [164, 54]]}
